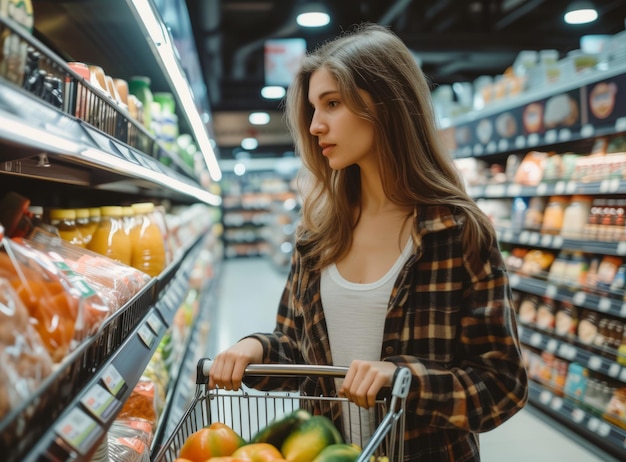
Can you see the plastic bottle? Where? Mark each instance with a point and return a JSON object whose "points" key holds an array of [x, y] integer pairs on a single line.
{"points": [[110, 239], [94, 219], [147, 242], [65, 221], [140, 87]]}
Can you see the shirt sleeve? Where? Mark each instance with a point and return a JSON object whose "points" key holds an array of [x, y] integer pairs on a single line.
{"points": [[486, 383]]}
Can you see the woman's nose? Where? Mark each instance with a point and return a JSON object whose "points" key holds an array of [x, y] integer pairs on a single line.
{"points": [[317, 126]]}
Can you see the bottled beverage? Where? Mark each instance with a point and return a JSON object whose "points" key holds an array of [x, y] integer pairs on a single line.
{"points": [[83, 225], [140, 87], [110, 239], [147, 242], [65, 221], [94, 219]]}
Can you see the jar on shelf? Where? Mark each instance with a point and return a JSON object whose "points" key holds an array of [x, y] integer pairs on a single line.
{"points": [[83, 225], [65, 222], [110, 239], [140, 87]]}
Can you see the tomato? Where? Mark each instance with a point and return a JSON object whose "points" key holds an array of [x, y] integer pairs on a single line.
{"points": [[215, 440], [226, 459], [259, 452]]}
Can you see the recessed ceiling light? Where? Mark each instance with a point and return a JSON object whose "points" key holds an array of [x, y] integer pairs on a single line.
{"points": [[259, 118], [249, 143], [273, 92], [312, 14], [580, 12]]}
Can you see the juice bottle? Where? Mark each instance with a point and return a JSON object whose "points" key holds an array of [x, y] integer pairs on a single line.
{"points": [[128, 217], [147, 242], [83, 225], [65, 221], [94, 219], [110, 239]]}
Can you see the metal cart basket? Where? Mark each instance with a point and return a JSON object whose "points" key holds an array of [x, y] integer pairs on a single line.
{"points": [[247, 411]]}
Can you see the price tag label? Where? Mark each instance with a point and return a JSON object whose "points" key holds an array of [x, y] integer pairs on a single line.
{"points": [[533, 139], [623, 310], [579, 298], [520, 142], [594, 363], [614, 370], [565, 134], [545, 397], [467, 151], [503, 145], [551, 136], [622, 375], [78, 430], [515, 190], [557, 242], [621, 248], [542, 189], [620, 124], [557, 403], [587, 131], [146, 335], [478, 149], [113, 380], [514, 280], [99, 402], [559, 187], [508, 235], [524, 236], [552, 346], [604, 429], [155, 323], [535, 339], [578, 415], [546, 240], [614, 185], [491, 147], [593, 424], [604, 304], [604, 186], [570, 187], [534, 238], [551, 291]]}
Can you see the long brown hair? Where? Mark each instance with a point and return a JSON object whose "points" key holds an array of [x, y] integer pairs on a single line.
{"points": [[414, 165]]}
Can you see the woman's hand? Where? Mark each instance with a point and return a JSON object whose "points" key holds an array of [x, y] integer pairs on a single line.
{"points": [[365, 379], [229, 366]]}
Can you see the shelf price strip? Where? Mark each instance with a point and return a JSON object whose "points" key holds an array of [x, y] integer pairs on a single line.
{"points": [[79, 431]]}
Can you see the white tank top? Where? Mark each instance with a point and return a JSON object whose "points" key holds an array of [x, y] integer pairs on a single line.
{"points": [[355, 319]]}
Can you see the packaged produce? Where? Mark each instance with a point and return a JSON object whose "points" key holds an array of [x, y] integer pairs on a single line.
{"points": [[25, 360], [142, 402], [129, 440]]}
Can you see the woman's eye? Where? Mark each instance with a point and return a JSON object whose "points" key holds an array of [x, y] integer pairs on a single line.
{"points": [[333, 103]]}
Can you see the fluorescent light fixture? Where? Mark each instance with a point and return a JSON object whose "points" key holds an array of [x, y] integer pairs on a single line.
{"points": [[273, 92], [580, 12], [178, 82], [239, 169], [259, 118], [249, 143]]}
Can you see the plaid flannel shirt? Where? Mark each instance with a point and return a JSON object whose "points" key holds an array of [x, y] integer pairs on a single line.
{"points": [[449, 320]]}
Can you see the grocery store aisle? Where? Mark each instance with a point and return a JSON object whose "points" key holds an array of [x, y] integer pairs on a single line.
{"points": [[250, 289]]}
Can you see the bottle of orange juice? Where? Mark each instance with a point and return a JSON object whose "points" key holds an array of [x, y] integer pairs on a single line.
{"points": [[65, 221], [147, 242], [110, 239], [83, 225]]}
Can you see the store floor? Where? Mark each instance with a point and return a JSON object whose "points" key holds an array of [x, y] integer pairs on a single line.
{"points": [[249, 292]]}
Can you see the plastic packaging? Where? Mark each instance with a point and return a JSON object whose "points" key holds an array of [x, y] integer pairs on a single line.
{"points": [[25, 360]]}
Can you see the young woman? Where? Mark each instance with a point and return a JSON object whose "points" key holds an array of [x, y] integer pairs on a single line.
{"points": [[394, 264]]}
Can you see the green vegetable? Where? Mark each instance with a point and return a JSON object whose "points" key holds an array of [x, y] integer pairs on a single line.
{"points": [[278, 430], [340, 452], [309, 439]]}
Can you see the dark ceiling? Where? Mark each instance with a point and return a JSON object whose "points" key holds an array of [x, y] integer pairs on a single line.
{"points": [[456, 40]]}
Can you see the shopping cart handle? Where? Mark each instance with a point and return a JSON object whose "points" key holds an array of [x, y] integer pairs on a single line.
{"points": [[401, 378]]}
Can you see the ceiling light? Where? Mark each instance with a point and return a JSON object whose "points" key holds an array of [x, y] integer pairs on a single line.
{"points": [[249, 143], [273, 92], [580, 12], [259, 118], [312, 14]]}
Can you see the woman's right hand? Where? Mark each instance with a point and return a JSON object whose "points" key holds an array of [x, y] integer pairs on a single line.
{"points": [[228, 366]]}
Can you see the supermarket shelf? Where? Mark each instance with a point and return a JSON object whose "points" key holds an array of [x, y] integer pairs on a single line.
{"points": [[555, 241], [77, 153], [609, 437], [596, 188], [601, 303], [477, 134], [566, 350]]}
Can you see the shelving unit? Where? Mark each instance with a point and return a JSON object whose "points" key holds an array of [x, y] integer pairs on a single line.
{"points": [[55, 158], [484, 135]]}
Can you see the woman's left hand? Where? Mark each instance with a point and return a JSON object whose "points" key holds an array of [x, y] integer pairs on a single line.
{"points": [[365, 379]]}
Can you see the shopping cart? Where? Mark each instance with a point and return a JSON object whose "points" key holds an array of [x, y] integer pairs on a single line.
{"points": [[247, 411]]}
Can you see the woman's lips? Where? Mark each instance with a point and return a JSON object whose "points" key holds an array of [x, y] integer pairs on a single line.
{"points": [[326, 149]]}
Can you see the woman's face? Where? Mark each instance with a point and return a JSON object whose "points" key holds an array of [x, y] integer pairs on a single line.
{"points": [[344, 138]]}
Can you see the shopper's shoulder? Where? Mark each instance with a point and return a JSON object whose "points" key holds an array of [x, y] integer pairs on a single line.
{"points": [[431, 218]]}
